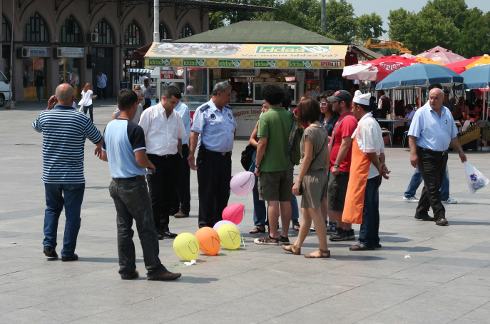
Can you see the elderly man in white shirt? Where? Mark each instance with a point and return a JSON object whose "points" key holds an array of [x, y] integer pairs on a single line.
{"points": [[367, 168], [164, 131]]}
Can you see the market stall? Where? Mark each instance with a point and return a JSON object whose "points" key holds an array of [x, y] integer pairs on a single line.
{"points": [[196, 67]]}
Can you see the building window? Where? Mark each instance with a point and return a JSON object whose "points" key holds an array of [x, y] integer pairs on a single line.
{"points": [[6, 31], [164, 32], [186, 31], [133, 35], [71, 31], [104, 33], [36, 30]]}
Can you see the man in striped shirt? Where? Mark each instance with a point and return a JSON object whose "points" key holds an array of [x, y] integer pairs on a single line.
{"points": [[64, 132]]}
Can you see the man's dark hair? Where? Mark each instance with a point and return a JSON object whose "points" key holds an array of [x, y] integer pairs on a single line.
{"points": [[126, 99], [326, 94], [172, 91], [364, 107], [309, 111], [273, 94], [286, 102]]}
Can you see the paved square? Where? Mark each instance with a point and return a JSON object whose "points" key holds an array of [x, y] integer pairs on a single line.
{"points": [[423, 273]]}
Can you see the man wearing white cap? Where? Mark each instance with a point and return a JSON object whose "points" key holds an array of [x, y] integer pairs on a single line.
{"points": [[367, 168]]}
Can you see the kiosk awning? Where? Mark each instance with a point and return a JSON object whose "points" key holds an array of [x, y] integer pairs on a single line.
{"points": [[246, 56]]}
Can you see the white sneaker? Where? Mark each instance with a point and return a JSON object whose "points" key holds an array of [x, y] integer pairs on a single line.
{"points": [[411, 199], [450, 201]]}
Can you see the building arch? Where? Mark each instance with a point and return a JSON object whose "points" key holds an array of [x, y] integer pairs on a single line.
{"points": [[6, 30], [186, 31], [36, 29], [105, 33], [71, 32], [165, 33], [133, 35]]}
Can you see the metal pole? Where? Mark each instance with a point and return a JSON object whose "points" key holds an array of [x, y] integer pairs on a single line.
{"points": [[12, 82], [156, 21], [324, 16]]}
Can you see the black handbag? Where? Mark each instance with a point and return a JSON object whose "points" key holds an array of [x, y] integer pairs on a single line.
{"points": [[246, 158]]}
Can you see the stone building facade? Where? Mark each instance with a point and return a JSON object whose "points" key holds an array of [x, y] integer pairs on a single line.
{"points": [[71, 41]]}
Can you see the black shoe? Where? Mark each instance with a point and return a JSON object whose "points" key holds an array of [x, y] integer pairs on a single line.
{"points": [[361, 247], [73, 257], [425, 218], [284, 240], [442, 221], [50, 253], [296, 226], [331, 228], [343, 235], [168, 235], [377, 246], [129, 275], [163, 275], [160, 236]]}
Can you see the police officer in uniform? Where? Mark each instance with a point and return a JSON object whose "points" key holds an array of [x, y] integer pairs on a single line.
{"points": [[214, 128]]}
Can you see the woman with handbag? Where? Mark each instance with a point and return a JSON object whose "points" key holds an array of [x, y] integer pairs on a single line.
{"points": [[312, 179], [86, 102]]}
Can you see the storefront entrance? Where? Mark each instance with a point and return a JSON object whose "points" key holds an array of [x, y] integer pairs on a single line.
{"points": [[103, 59]]}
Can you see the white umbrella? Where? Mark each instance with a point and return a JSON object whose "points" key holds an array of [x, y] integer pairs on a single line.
{"points": [[364, 72]]}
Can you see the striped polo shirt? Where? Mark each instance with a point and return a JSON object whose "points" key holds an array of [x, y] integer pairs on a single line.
{"points": [[64, 132]]}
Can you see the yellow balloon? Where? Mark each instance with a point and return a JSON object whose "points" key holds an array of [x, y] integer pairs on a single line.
{"points": [[230, 237], [186, 246]]}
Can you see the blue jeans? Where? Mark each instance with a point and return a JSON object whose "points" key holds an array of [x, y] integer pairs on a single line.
{"points": [[58, 196], [369, 232], [416, 180]]}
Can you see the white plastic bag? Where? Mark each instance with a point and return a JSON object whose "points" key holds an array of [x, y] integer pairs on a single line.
{"points": [[476, 179]]}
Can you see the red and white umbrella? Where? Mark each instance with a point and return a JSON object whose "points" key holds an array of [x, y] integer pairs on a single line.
{"points": [[378, 69]]}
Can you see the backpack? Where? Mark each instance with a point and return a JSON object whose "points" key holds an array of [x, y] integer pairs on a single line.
{"points": [[247, 156], [295, 135]]}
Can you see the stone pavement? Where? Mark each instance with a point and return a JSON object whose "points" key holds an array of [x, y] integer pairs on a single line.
{"points": [[423, 274]]}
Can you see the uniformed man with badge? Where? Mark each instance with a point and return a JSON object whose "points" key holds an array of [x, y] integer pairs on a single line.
{"points": [[214, 128]]}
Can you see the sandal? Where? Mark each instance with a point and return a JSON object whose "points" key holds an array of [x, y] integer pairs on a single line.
{"points": [[258, 229], [323, 255], [267, 240], [292, 249]]}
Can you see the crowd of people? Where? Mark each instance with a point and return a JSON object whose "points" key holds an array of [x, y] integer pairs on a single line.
{"points": [[335, 140]]}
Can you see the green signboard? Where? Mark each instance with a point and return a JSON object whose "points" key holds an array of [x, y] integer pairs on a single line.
{"points": [[193, 62], [265, 64], [158, 62], [300, 64], [229, 63]]}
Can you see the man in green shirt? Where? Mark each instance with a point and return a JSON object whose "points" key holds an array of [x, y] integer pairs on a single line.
{"points": [[273, 165]]}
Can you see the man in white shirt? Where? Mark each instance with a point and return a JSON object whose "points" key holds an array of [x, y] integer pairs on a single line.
{"points": [[184, 190], [101, 84], [164, 131], [367, 168]]}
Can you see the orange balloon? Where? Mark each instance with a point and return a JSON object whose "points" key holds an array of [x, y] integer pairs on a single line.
{"points": [[209, 241]]}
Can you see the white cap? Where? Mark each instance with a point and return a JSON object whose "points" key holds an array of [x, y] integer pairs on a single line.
{"points": [[362, 99]]}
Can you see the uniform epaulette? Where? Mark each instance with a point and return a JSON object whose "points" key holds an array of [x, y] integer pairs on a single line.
{"points": [[204, 108]]}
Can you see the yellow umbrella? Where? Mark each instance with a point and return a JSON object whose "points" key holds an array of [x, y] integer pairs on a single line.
{"points": [[425, 60], [482, 60]]}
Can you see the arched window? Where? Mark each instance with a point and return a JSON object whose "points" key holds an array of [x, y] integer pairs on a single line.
{"points": [[186, 31], [36, 30], [71, 31], [164, 32], [104, 32], [133, 35], [6, 31]]}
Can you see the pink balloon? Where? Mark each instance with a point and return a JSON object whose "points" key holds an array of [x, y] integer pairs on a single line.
{"points": [[242, 183], [234, 213], [220, 223]]}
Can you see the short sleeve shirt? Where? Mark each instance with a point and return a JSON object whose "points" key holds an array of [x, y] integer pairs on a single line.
{"points": [[122, 138], [215, 126], [275, 125], [344, 127], [370, 139], [433, 131], [318, 136]]}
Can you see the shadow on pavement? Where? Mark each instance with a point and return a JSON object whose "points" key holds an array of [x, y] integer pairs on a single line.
{"points": [[468, 223], [197, 280]]}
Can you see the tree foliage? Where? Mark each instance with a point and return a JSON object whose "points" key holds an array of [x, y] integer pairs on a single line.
{"points": [[448, 23], [369, 26]]}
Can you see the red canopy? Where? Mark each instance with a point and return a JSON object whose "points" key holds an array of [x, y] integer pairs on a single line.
{"points": [[461, 66]]}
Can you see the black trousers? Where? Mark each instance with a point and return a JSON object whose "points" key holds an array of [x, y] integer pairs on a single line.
{"points": [[184, 182], [432, 166], [163, 188], [133, 203], [90, 110], [213, 177]]}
